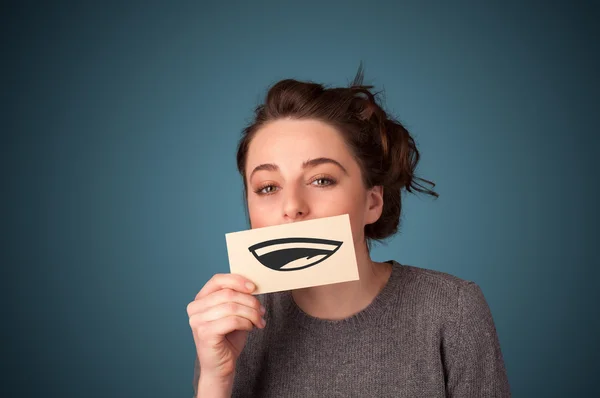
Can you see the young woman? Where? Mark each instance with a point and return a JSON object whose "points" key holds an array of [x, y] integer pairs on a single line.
{"points": [[399, 331]]}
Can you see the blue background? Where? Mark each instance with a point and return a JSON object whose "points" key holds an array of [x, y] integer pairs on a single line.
{"points": [[119, 128]]}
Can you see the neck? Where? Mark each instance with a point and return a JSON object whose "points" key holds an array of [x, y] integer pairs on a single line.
{"points": [[342, 300]]}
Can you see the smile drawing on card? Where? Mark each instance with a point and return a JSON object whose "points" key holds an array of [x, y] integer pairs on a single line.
{"points": [[291, 254], [295, 255]]}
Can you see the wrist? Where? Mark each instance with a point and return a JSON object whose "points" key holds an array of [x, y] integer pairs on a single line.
{"points": [[215, 387]]}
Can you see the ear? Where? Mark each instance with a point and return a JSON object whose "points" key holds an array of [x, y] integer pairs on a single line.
{"points": [[374, 205]]}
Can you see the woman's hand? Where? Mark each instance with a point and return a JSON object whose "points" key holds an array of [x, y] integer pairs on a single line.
{"points": [[221, 316]]}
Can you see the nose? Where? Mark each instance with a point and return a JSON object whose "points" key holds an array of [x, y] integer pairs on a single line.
{"points": [[294, 204]]}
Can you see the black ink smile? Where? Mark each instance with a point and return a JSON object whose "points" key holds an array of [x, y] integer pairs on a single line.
{"points": [[292, 254]]}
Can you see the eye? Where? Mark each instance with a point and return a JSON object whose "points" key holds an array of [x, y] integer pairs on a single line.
{"points": [[266, 189], [323, 181]]}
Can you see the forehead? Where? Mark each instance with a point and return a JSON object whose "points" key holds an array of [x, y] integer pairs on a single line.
{"points": [[288, 142]]}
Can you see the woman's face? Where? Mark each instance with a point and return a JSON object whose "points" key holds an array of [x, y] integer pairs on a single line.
{"points": [[299, 170]]}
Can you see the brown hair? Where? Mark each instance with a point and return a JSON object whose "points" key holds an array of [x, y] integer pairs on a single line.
{"points": [[385, 151]]}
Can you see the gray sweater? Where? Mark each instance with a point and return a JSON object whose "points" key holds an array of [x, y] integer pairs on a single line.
{"points": [[427, 334]]}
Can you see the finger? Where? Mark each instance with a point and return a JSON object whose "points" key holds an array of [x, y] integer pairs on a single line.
{"points": [[226, 281], [224, 296], [228, 309], [223, 326]]}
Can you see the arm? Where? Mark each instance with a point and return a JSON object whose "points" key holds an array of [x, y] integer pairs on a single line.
{"points": [[220, 317], [206, 388], [472, 357]]}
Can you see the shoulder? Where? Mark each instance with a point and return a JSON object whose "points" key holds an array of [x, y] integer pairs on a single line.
{"points": [[439, 293], [429, 281]]}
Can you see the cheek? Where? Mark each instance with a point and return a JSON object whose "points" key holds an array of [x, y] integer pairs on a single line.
{"points": [[347, 203], [261, 213], [259, 222], [356, 209], [357, 226]]}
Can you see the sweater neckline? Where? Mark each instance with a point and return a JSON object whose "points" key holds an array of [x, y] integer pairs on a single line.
{"points": [[364, 318]]}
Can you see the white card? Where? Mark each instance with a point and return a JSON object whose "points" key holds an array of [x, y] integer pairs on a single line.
{"points": [[295, 255]]}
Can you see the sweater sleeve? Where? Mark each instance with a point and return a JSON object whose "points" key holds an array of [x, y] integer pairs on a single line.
{"points": [[473, 360]]}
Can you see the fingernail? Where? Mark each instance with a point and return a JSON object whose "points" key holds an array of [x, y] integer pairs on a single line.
{"points": [[262, 309], [249, 286], [264, 323]]}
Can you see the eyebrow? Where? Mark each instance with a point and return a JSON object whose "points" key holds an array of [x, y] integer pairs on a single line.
{"points": [[306, 164]]}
